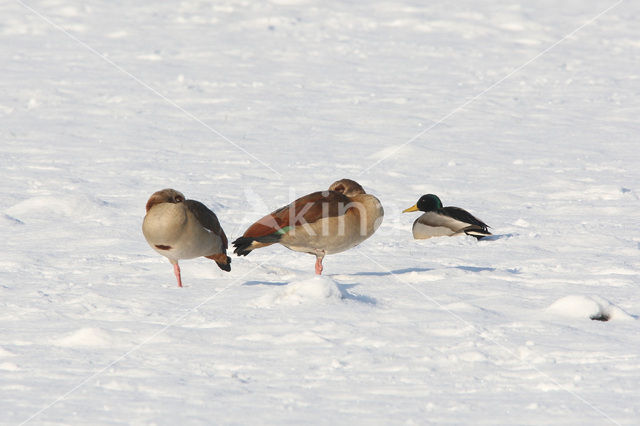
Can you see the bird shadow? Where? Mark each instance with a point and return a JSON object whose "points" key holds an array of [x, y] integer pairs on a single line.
{"points": [[346, 294], [497, 237], [394, 272], [475, 268], [272, 283], [408, 270]]}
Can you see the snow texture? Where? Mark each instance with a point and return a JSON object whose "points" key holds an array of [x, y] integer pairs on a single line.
{"points": [[523, 113]]}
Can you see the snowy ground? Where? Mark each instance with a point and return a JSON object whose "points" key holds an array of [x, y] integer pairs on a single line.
{"points": [[246, 105]]}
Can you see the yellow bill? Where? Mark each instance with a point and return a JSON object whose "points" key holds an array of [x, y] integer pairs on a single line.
{"points": [[413, 208]]}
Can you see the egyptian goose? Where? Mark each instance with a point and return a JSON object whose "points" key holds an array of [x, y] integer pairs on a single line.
{"points": [[184, 229], [321, 223], [438, 221]]}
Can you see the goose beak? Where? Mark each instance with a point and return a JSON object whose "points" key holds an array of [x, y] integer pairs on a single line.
{"points": [[413, 208]]}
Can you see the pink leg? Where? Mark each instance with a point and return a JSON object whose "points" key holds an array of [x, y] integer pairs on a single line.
{"points": [[176, 271], [319, 265]]}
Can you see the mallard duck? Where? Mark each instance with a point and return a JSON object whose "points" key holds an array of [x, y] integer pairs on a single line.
{"points": [[438, 221], [184, 229], [321, 223]]}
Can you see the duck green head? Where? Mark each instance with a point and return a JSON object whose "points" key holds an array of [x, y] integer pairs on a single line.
{"points": [[426, 203]]}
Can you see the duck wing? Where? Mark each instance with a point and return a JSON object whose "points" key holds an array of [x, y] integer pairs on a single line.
{"points": [[463, 216], [307, 209], [207, 219]]}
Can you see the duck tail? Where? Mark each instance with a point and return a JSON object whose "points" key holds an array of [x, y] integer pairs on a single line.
{"points": [[222, 260], [244, 245], [477, 232]]}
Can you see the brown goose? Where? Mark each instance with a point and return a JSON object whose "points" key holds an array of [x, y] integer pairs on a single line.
{"points": [[320, 223], [184, 229], [438, 221]]}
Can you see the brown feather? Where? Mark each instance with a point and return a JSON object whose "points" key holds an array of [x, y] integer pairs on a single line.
{"points": [[167, 195], [219, 257], [307, 209], [347, 187]]}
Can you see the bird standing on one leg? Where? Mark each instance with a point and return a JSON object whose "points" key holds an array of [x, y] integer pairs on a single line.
{"points": [[320, 223], [184, 229]]}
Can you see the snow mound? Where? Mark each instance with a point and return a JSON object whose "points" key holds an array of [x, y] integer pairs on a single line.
{"points": [[86, 337], [9, 366], [388, 151], [312, 290], [4, 352], [592, 307], [54, 206]]}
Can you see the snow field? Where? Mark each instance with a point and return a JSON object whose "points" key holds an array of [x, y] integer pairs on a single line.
{"points": [[444, 331]]}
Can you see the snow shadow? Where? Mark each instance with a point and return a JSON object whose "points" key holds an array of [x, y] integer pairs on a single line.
{"points": [[496, 237], [11, 220], [394, 272], [274, 283], [409, 270], [475, 268], [344, 289]]}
